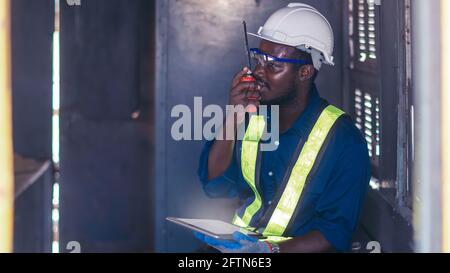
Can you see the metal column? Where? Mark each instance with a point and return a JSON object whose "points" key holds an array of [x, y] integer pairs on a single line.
{"points": [[428, 148]]}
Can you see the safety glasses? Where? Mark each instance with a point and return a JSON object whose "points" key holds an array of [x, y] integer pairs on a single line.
{"points": [[260, 58]]}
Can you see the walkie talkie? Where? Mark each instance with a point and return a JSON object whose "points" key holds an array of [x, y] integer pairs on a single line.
{"points": [[248, 77]]}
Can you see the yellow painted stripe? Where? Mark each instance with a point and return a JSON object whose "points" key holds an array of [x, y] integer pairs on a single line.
{"points": [[6, 150]]}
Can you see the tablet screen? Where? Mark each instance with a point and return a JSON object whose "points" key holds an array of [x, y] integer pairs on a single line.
{"points": [[214, 228]]}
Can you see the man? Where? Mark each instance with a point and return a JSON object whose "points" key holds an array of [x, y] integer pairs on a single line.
{"points": [[306, 196]]}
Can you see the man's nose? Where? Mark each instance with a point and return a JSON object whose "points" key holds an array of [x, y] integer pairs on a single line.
{"points": [[259, 71]]}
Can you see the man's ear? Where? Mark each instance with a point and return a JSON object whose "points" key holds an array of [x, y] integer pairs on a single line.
{"points": [[306, 72]]}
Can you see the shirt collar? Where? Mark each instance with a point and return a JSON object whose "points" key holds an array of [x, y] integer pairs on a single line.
{"points": [[307, 119]]}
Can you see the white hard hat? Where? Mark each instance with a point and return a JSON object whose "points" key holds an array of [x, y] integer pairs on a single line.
{"points": [[301, 26]]}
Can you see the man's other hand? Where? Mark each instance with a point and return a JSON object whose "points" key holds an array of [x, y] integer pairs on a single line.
{"points": [[241, 243]]}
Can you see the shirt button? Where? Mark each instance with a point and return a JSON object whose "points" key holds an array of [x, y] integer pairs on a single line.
{"points": [[269, 203], [270, 173]]}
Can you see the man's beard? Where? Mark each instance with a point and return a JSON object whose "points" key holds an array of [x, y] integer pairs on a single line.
{"points": [[285, 99]]}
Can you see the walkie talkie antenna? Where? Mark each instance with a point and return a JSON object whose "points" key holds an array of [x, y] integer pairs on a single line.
{"points": [[247, 48]]}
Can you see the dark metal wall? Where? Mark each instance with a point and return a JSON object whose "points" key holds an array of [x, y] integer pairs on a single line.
{"points": [[32, 32], [32, 36], [105, 127], [199, 49], [32, 209]]}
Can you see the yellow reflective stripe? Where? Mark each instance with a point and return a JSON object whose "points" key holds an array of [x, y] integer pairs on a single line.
{"points": [[276, 239], [255, 129], [291, 195], [271, 239], [238, 221], [249, 156]]}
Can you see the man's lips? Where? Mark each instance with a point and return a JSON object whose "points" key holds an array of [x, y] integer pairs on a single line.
{"points": [[263, 84], [261, 91]]}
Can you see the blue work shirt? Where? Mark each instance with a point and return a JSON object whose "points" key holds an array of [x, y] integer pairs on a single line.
{"points": [[331, 201]]}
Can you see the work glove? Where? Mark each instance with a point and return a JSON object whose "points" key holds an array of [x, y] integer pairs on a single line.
{"points": [[241, 243]]}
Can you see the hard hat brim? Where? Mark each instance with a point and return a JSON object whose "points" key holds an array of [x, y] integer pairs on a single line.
{"points": [[270, 39]]}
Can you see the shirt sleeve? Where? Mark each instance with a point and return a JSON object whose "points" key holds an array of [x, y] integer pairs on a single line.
{"points": [[338, 208], [225, 186]]}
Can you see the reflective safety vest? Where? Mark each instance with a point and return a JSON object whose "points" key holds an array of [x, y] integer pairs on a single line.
{"points": [[281, 216]]}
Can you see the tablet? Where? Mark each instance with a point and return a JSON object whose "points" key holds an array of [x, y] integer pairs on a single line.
{"points": [[213, 228]]}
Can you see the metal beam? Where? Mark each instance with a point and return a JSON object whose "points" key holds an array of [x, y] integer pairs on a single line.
{"points": [[160, 138], [428, 146], [445, 72]]}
